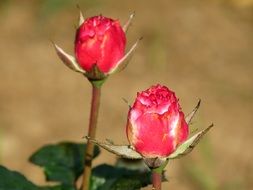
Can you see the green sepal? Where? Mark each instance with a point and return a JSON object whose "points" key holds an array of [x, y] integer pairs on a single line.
{"points": [[161, 168], [123, 151], [95, 74], [128, 23], [187, 146], [98, 83], [68, 59]]}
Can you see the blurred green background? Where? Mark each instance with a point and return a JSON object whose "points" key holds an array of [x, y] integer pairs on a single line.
{"points": [[199, 48]]}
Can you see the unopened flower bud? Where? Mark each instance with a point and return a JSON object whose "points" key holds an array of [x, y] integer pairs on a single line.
{"points": [[99, 48], [156, 124], [99, 42]]}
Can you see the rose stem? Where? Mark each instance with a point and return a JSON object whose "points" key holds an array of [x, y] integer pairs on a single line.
{"points": [[156, 180], [95, 102]]}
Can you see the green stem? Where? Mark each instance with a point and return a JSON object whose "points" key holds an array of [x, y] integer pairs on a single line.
{"points": [[157, 176], [156, 180], [95, 102]]}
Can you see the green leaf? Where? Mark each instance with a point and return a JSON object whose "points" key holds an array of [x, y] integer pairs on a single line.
{"points": [[62, 162], [59, 187], [106, 177], [12, 180]]}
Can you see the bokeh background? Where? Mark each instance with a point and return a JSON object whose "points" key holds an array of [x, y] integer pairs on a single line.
{"points": [[199, 48]]}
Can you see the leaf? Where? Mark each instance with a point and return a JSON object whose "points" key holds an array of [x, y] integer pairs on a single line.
{"points": [[190, 116], [189, 144], [124, 151], [106, 177], [68, 60], [62, 162], [12, 180], [132, 164], [59, 187]]}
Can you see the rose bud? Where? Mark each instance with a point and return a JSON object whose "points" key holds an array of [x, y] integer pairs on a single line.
{"points": [[99, 47], [156, 129], [156, 124], [99, 41]]}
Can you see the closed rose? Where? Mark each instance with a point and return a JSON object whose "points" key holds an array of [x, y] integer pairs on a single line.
{"points": [[99, 48], [156, 124], [99, 41]]}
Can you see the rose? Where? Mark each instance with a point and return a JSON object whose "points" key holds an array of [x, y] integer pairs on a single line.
{"points": [[99, 48], [157, 130], [156, 124], [99, 41]]}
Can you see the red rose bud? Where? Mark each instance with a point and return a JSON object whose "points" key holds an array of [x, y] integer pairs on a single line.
{"points": [[99, 48], [100, 41], [156, 124]]}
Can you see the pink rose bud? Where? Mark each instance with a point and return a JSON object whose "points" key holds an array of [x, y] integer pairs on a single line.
{"points": [[100, 41], [156, 124]]}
